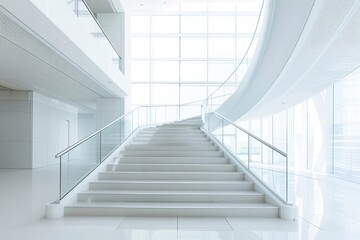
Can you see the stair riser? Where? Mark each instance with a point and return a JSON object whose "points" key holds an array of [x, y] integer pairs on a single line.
{"points": [[168, 134], [168, 198], [172, 154], [172, 186], [179, 128], [175, 139], [172, 131], [171, 143], [181, 212], [180, 125], [169, 168], [171, 136], [170, 176], [139, 160], [171, 148]]}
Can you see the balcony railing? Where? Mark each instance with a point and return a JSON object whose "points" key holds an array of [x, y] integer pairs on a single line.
{"points": [[89, 21]]}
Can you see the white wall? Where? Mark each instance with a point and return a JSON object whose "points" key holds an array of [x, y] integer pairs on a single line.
{"points": [[108, 110], [34, 127], [87, 124], [15, 129], [51, 120]]}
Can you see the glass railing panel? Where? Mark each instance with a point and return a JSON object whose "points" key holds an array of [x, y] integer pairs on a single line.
{"points": [[242, 147], [110, 139], [80, 159], [103, 43], [255, 150], [172, 113], [127, 125], [267, 155], [230, 136], [188, 111], [136, 119], [144, 113], [160, 113], [273, 175], [78, 163], [216, 127], [265, 161]]}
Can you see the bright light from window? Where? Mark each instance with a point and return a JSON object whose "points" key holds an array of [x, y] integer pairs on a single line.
{"points": [[182, 53]]}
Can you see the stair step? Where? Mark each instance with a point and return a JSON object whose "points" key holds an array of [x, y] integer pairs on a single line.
{"points": [[173, 139], [171, 170], [170, 196], [170, 143], [171, 148], [131, 153], [172, 185], [172, 209], [178, 127], [172, 167], [173, 133], [181, 125], [174, 160], [169, 131], [172, 176]]}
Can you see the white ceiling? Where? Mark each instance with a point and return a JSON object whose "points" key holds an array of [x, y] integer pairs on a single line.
{"points": [[28, 64]]}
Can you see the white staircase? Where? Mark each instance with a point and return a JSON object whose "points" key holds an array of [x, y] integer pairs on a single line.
{"points": [[172, 170]]}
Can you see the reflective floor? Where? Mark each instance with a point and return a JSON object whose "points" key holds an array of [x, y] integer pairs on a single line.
{"points": [[328, 209]]}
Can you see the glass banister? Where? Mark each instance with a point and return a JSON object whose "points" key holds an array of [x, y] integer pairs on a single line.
{"points": [[264, 161], [85, 15], [80, 159]]}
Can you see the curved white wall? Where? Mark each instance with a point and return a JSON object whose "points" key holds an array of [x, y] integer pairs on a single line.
{"points": [[309, 46]]}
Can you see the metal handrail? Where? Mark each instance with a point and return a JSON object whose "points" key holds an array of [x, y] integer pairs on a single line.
{"points": [[250, 134], [92, 14], [91, 135], [183, 104], [246, 53], [273, 148], [116, 120]]}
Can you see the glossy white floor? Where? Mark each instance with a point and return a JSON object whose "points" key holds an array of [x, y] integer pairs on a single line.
{"points": [[328, 209]]}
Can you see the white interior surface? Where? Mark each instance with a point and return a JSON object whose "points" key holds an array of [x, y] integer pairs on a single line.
{"points": [[309, 47], [328, 209], [43, 52], [15, 129]]}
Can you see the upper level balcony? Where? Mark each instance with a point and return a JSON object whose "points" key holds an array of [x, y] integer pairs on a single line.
{"points": [[66, 35]]}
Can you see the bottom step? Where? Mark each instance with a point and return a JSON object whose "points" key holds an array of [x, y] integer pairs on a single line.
{"points": [[174, 209]]}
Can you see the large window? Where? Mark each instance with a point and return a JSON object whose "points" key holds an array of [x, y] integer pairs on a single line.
{"points": [[321, 134], [183, 53]]}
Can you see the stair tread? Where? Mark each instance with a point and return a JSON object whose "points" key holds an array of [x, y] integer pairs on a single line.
{"points": [[171, 151], [171, 148], [173, 181], [161, 205], [168, 170], [174, 157], [164, 192], [174, 173], [173, 164]]}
